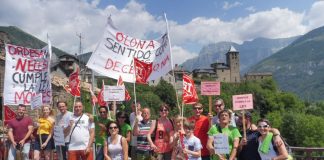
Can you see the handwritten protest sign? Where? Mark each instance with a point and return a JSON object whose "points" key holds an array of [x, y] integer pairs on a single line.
{"points": [[58, 136], [210, 88], [27, 73], [221, 144], [243, 101], [114, 93], [116, 51], [36, 101]]}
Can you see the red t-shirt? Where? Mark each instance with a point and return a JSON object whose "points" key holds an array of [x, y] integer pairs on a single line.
{"points": [[20, 128], [200, 131]]}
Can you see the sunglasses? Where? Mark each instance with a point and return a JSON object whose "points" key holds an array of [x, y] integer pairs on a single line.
{"points": [[103, 112], [115, 127], [264, 126], [121, 117], [197, 108], [218, 105], [164, 110]]}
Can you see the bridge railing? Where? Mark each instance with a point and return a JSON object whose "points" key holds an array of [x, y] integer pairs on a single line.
{"points": [[307, 153]]}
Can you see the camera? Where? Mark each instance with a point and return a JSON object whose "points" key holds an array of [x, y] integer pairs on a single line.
{"points": [[18, 146]]}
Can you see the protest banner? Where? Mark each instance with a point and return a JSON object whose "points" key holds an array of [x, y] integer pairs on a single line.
{"points": [[116, 51], [243, 101], [27, 73], [36, 101], [189, 94], [209, 88], [58, 136], [221, 144], [114, 93]]}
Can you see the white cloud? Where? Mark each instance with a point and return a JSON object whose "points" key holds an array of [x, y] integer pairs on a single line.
{"points": [[228, 5], [315, 16], [250, 9], [62, 20], [180, 55]]}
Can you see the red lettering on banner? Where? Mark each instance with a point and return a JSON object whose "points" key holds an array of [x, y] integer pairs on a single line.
{"points": [[133, 42], [31, 66], [24, 52], [118, 66], [25, 96]]}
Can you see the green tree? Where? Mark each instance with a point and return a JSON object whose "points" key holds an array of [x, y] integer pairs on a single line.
{"points": [[167, 93]]}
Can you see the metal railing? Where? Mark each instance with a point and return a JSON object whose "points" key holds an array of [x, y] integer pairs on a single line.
{"points": [[307, 153]]}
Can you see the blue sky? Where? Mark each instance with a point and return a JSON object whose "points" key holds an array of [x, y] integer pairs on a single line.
{"points": [[192, 23]]}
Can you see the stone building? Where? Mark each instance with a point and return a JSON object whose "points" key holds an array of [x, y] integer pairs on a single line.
{"points": [[228, 71], [257, 76]]}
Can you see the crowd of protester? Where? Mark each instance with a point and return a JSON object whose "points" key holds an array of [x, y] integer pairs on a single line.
{"points": [[139, 137]]}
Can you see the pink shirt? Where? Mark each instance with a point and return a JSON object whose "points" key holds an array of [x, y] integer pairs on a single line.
{"points": [[162, 136]]}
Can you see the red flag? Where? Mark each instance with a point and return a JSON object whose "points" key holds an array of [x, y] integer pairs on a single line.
{"points": [[120, 82], [189, 94], [100, 96], [8, 114], [142, 71], [94, 99], [74, 84]]}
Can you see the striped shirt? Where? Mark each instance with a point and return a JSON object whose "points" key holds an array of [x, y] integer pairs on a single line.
{"points": [[142, 142]]}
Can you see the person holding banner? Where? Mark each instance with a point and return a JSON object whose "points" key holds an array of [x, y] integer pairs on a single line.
{"points": [[136, 108], [219, 106], [201, 128], [227, 134], [178, 139], [19, 131], [62, 121], [100, 131], [44, 139]]}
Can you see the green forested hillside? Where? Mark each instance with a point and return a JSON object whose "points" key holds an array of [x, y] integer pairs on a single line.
{"points": [[299, 67]]}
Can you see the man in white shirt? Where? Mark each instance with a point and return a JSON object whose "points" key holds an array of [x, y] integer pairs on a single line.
{"points": [[81, 134], [136, 113], [62, 120]]}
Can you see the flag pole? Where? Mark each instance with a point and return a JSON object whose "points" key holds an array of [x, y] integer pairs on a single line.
{"points": [[134, 87], [174, 83]]}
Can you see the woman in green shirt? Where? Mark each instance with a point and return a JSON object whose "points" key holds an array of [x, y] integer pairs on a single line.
{"points": [[123, 122], [232, 133]]}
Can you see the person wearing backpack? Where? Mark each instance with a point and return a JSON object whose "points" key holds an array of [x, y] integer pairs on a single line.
{"points": [[267, 149], [162, 145]]}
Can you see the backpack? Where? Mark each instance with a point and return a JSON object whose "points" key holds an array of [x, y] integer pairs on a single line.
{"points": [[275, 148]]}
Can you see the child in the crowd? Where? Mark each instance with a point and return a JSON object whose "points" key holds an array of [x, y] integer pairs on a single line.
{"points": [[191, 143]]}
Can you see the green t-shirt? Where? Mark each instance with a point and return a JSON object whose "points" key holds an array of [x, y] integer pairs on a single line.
{"points": [[231, 132], [124, 129], [99, 134]]}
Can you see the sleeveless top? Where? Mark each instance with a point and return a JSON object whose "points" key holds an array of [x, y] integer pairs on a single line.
{"points": [[162, 136], [45, 126], [272, 153], [115, 151]]}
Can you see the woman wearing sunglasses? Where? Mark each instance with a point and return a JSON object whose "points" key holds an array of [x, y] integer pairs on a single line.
{"points": [[115, 147], [123, 122], [267, 149], [164, 132]]}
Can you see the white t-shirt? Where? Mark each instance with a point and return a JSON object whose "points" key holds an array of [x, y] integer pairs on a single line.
{"points": [[132, 120], [80, 136], [272, 153], [193, 144], [63, 121]]}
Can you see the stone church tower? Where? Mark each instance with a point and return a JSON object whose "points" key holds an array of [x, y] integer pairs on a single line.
{"points": [[233, 61]]}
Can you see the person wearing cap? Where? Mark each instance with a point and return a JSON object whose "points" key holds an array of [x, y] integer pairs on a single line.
{"points": [[248, 146], [219, 106]]}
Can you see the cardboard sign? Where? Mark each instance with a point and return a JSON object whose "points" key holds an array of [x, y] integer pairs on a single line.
{"points": [[210, 88], [36, 101], [221, 144], [243, 101], [59, 136], [114, 93]]}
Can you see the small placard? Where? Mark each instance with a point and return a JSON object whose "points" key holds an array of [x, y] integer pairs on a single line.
{"points": [[58, 136], [221, 144], [210, 88], [36, 101], [114, 93], [243, 101]]}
